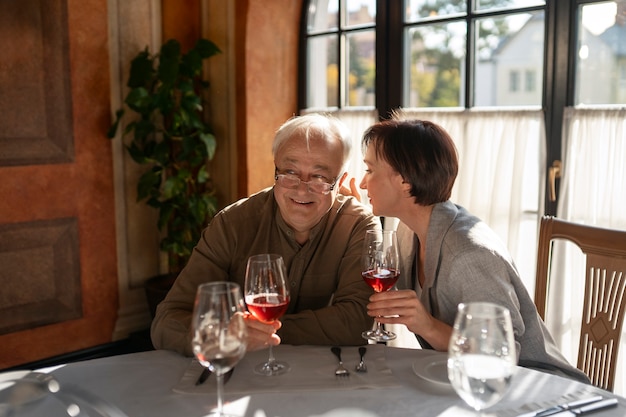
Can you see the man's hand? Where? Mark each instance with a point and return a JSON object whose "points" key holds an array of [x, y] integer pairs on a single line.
{"points": [[261, 335]]}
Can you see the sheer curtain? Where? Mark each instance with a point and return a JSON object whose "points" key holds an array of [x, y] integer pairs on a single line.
{"points": [[593, 191], [501, 156]]}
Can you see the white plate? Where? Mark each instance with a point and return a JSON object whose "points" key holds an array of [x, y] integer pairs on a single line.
{"points": [[433, 368]]}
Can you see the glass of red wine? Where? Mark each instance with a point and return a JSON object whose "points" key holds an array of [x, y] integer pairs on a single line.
{"points": [[381, 270], [267, 298]]}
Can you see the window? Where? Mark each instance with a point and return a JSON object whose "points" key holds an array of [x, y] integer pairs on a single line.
{"points": [[514, 81], [455, 53], [341, 54], [530, 80], [465, 54], [601, 47]]}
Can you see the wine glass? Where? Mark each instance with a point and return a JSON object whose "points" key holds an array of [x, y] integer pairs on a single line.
{"points": [[481, 354], [381, 270], [267, 297], [219, 331]]}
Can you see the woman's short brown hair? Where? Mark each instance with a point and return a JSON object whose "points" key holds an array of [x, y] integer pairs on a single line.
{"points": [[420, 151]]}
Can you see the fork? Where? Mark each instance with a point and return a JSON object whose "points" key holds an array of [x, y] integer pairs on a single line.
{"points": [[361, 367], [341, 370]]}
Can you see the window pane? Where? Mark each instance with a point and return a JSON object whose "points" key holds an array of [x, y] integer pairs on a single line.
{"points": [[600, 64], [417, 10], [509, 60], [361, 68], [436, 54], [322, 15], [361, 12], [484, 5], [322, 72]]}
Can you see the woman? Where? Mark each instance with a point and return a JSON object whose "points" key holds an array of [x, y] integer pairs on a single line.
{"points": [[450, 256]]}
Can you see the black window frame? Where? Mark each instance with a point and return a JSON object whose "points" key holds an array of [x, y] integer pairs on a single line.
{"points": [[560, 37]]}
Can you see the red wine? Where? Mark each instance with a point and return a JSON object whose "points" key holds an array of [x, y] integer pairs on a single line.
{"points": [[382, 279], [267, 307]]}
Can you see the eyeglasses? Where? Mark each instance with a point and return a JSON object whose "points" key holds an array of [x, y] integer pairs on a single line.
{"points": [[315, 185]]}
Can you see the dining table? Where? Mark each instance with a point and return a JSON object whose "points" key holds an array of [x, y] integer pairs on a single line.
{"points": [[399, 382]]}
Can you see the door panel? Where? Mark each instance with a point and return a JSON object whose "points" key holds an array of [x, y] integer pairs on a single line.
{"points": [[58, 271]]}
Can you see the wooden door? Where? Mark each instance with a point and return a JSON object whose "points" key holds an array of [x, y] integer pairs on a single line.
{"points": [[58, 273]]}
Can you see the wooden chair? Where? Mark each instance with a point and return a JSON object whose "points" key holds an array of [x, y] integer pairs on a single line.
{"points": [[605, 296]]}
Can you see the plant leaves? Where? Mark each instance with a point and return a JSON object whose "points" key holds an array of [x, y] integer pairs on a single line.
{"points": [[138, 99], [141, 71], [210, 143], [148, 183], [113, 129], [203, 175], [170, 134], [206, 48], [172, 187], [169, 62]]}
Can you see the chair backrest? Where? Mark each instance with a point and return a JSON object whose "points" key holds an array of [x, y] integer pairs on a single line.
{"points": [[605, 296]]}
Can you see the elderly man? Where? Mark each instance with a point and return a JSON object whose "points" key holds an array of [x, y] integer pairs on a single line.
{"points": [[318, 231]]}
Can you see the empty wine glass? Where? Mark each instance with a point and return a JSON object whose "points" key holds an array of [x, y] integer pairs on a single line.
{"points": [[381, 270], [267, 297], [481, 354], [219, 338]]}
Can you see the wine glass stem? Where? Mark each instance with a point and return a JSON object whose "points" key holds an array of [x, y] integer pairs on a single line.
{"points": [[379, 327], [220, 388], [271, 360]]}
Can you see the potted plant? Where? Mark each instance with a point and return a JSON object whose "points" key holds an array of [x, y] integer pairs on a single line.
{"points": [[169, 135]]}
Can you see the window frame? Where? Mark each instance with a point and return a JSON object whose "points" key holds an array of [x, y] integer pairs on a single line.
{"points": [[558, 91]]}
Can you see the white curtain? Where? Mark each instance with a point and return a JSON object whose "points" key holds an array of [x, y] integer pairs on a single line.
{"points": [[501, 158], [593, 191]]}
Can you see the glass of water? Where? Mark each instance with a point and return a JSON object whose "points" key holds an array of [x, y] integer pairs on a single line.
{"points": [[481, 354]]}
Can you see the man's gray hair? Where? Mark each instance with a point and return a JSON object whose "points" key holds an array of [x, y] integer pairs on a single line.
{"points": [[314, 125]]}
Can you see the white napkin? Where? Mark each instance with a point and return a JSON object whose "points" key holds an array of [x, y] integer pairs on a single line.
{"points": [[312, 368]]}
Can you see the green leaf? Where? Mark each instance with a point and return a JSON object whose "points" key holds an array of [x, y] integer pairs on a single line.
{"points": [[136, 153], [203, 175], [210, 143], [114, 126], [206, 48], [169, 61], [138, 99], [154, 202], [192, 63], [172, 187], [161, 153], [141, 70], [144, 130], [164, 216], [148, 184]]}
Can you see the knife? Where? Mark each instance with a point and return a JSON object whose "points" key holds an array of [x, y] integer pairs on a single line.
{"points": [[206, 372], [228, 374], [561, 407], [592, 408]]}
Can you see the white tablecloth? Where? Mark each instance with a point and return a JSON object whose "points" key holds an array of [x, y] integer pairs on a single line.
{"points": [[152, 384]]}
